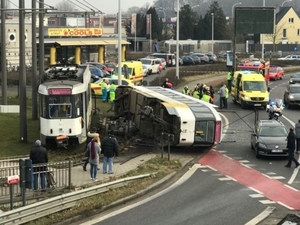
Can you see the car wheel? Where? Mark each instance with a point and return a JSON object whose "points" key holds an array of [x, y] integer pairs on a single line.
{"points": [[243, 104]]}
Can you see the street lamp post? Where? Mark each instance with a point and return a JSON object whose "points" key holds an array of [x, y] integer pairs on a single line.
{"points": [[212, 33], [177, 40], [285, 2], [119, 45], [232, 10], [262, 39]]}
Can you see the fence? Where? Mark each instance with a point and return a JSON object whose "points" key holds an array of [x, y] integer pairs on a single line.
{"points": [[61, 172]]}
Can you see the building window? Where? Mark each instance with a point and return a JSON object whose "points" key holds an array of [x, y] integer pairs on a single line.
{"points": [[284, 33], [291, 20], [298, 32]]}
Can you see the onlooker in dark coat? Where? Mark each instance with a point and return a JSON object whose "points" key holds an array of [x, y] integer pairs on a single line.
{"points": [[39, 155], [291, 140], [109, 148], [297, 130]]}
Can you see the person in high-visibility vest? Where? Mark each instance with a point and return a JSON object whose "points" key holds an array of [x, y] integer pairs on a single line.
{"points": [[206, 97], [186, 90], [104, 91], [226, 94], [112, 92], [195, 93]]}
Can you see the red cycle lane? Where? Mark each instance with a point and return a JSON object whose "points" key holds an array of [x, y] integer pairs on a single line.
{"points": [[272, 189]]}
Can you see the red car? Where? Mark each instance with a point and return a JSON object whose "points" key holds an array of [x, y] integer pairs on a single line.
{"points": [[276, 73], [101, 66]]}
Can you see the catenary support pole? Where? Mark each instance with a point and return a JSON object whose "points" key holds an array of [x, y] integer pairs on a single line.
{"points": [[22, 73], [34, 111], [119, 44], [41, 39], [3, 55]]}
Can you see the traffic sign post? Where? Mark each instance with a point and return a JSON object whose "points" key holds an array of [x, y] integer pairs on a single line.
{"points": [[170, 138], [11, 180]]}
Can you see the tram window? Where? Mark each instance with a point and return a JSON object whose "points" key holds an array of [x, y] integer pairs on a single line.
{"points": [[78, 104], [43, 106], [60, 107]]}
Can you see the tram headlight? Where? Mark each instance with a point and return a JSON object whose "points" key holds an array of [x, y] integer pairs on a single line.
{"points": [[291, 97]]}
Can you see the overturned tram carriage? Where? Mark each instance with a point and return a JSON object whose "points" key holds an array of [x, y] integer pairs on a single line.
{"points": [[153, 110]]}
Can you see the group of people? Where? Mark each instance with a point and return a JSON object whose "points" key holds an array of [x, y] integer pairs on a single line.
{"points": [[108, 90], [293, 142], [94, 148]]}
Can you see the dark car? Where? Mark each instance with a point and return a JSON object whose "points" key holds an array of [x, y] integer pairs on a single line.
{"points": [[111, 66], [295, 78], [268, 138], [101, 66], [292, 95], [95, 71], [187, 61], [196, 59], [203, 57]]}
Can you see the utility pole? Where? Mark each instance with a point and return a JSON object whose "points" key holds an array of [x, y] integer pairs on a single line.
{"points": [[41, 39], [34, 112], [262, 39], [22, 73], [3, 55]]}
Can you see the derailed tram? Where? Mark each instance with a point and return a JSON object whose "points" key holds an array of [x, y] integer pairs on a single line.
{"points": [[155, 110]]}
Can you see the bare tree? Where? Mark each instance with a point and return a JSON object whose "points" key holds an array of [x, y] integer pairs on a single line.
{"points": [[65, 5], [275, 38]]}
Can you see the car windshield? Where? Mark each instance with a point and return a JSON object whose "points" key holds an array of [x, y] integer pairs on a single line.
{"points": [[146, 61], [123, 71], [255, 86], [273, 131], [295, 89], [296, 76], [247, 69]]}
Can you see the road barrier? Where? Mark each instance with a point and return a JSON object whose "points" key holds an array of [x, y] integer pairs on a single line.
{"points": [[44, 208]]}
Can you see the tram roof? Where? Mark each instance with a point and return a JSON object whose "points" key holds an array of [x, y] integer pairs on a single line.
{"points": [[201, 110]]}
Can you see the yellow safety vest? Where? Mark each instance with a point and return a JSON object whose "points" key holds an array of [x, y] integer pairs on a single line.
{"points": [[205, 98], [196, 94], [226, 93], [103, 85], [229, 76], [186, 92]]}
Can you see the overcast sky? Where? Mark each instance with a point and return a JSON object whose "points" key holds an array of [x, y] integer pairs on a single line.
{"points": [[106, 6]]}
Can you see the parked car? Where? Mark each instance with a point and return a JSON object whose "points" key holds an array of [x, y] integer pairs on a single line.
{"points": [[111, 65], [187, 60], [146, 71], [151, 65], [101, 66], [212, 58], [168, 57], [203, 57], [292, 95], [276, 72], [295, 78], [196, 59], [290, 57], [268, 138], [94, 70]]}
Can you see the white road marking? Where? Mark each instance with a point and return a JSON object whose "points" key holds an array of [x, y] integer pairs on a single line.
{"points": [[288, 186], [257, 191], [224, 178], [286, 206], [244, 161], [183, 179], [257, 196], [263, 215], [278, 178], [267, 202], [224, 127]]}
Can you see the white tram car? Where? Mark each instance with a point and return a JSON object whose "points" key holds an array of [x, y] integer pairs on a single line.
{"points": [[153, 110], [65, 105]]}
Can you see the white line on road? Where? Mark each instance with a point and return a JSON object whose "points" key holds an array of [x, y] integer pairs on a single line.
{"points": [[268, 211]]}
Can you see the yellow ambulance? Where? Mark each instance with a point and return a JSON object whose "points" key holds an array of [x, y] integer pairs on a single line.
{"points": [[249, 89], [131, 70]]}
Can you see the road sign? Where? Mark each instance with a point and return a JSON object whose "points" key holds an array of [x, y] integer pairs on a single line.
{"points": [[13, 179]]}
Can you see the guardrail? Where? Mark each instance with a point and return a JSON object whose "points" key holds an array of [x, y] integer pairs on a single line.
{"points": [[43, 208], [61, 172]]}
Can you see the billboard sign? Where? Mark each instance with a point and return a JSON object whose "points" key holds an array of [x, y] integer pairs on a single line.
{"points": [[74, 32], [254, 20]]}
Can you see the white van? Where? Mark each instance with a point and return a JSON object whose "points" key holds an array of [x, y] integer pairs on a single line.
{"points": [[170, 58], [151, 65]]}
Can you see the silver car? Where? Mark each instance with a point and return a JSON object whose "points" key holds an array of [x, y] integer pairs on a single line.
{"points": [[290, 57]]}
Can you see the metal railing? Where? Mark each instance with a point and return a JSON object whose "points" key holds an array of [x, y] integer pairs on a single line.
{"points": [[60, 171], [40, 209]]}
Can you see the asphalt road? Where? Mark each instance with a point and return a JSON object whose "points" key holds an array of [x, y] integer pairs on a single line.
{"points": [[223, 192]]}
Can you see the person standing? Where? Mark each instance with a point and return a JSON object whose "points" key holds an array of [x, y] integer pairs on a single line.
{"points": [[297, 130], [206, 97], [110, 149], [229, 79], [222, 93], [186, 90], [112, 92], [95, 152], [103, 89], [91, 134], [291, 139], [39, 155], [226, 96]]}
